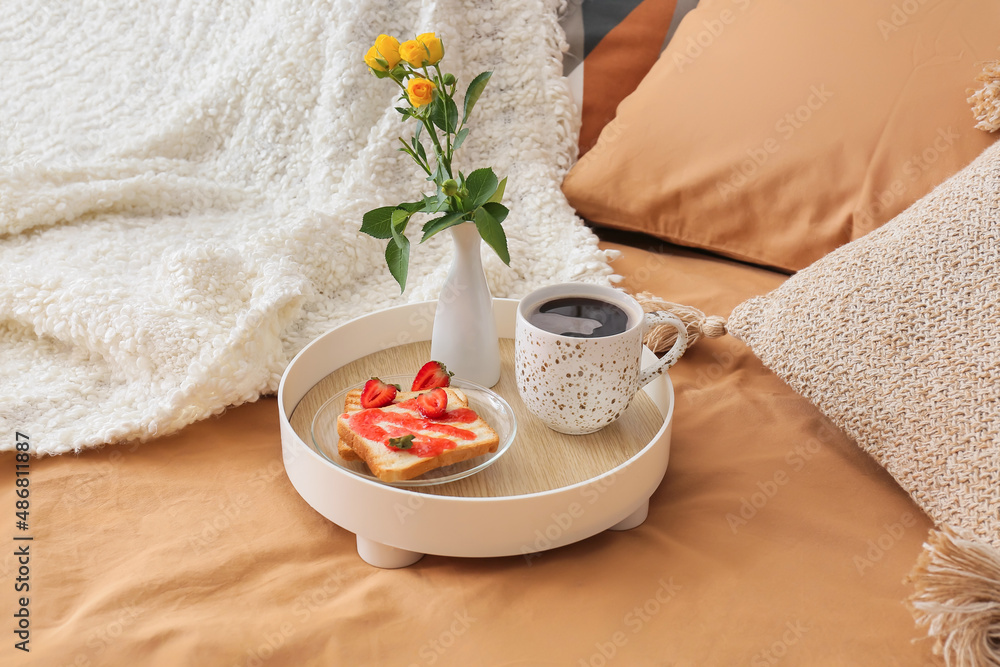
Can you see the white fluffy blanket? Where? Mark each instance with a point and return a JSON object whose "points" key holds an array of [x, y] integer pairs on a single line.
{"points": [[182, 182]]}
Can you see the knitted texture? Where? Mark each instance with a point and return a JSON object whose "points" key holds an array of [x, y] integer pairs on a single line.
{"points": [[182, 183], [896, 338]]}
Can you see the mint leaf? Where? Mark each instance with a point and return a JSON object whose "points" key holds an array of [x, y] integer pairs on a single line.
{"points": [[402, 442]]}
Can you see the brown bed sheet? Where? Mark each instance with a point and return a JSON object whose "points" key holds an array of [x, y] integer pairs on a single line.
{"points": [[772, 540]]}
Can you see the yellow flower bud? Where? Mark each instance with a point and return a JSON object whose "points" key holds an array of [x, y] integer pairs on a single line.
{"points": [[426, 49], [386, 47], [450, 187], [420, 91]]}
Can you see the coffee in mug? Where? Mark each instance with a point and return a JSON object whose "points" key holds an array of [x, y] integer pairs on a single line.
{"points": [[577, 354], [579, 317]]}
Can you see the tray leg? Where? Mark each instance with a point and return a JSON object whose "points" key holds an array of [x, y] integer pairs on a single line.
{"points": [[635, 518], [384, 556]]}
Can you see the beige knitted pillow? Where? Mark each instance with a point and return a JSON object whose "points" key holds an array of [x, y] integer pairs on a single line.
{"points": [[896, 338]]}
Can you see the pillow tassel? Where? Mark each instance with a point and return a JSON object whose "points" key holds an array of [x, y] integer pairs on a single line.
{"points": [[957, 597], [986, 101], [661, 338]]}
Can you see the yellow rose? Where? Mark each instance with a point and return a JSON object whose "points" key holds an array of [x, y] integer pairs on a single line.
{"points": [[420, 91], [386, 47], [426, 49]]}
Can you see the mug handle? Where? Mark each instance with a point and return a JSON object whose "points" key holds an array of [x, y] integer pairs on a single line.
{"points": [[673, 354]]}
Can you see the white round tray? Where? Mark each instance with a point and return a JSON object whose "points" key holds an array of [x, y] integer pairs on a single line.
{"points": [[395, 527]]}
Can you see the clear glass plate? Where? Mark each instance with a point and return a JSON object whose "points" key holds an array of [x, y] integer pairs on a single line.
{"points": [[487, 404]]}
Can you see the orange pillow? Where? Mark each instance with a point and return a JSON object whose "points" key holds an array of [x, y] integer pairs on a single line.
{"points": [[615, 42], [776, 132]]}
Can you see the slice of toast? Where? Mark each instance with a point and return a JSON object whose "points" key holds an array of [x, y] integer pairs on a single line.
{"points": [[352, 403], [459, 435]]}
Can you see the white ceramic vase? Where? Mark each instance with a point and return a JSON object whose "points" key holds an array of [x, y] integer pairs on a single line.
{"points": [[464, 337]]}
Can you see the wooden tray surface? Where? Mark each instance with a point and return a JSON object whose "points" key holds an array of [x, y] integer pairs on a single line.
{"points": [[540, 459]]}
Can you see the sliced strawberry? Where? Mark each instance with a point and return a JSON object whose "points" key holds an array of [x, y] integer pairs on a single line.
{"points": [[377, 393], [431, 374], [432, 404]]}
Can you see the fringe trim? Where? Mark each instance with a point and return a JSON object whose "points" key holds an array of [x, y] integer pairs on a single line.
{"points": [[986, 101], [957, 584], [661, 338]]}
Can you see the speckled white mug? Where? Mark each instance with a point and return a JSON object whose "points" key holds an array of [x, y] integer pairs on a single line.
{"points": [[580, 385]]}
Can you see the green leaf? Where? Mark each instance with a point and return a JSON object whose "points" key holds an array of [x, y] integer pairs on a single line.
{"points": [[460, 138], [436, 225], [473, 92], [378, 222], [481, 184], [444, 113], [498, 195], [411, 206], [497, 210], [406, 149], [397, 258], [402, 442], [400, 217], [439, 176], [488, 222], [419, 147], [434, 203]]}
